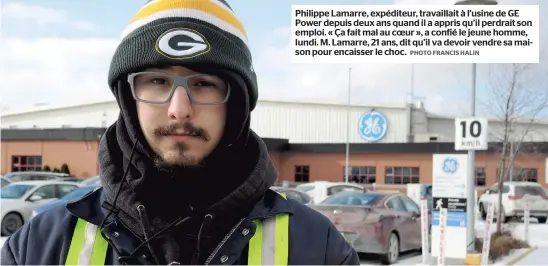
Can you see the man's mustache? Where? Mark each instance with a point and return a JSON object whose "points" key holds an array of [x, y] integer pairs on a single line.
{"points": [[186, 127]]}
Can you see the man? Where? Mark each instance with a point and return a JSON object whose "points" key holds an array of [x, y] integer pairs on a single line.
{"points": [[185, 180]]}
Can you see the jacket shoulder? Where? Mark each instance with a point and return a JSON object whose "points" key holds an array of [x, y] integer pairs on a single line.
{"points": [[44, 240], [312, 234]]}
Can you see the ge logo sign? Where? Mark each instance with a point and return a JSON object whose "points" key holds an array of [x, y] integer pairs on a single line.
{"points": [[450, 166], [182, 44]]}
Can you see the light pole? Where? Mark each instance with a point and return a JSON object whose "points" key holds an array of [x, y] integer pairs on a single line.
{"points": [[347, 160], [471, 201]]}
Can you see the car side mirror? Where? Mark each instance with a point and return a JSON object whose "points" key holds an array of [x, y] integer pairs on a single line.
{"points": [[416, 214], [35, 198]]}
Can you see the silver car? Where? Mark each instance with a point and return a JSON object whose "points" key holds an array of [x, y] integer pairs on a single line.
{"points": [[34, 176]]}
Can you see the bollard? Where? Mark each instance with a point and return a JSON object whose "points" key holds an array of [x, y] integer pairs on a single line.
{"points": [[487, 234], [425, 232], [443, 224]]}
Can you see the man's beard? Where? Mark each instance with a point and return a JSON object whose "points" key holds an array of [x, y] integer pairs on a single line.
{"points": [[185, 161]]}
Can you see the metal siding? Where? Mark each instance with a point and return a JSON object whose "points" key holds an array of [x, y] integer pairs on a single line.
{"points": [[300, 123], [308, 123], [88, 116]]}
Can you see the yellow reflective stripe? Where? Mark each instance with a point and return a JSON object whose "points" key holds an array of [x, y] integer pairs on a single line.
{"points": [[255, 253], [282, 239], [100, 247], [87, 247], [270, 244], [77, 243]]}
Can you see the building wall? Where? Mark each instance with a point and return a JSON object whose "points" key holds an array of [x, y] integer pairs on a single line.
{"points": [[298, 122], [322, 123], [80, 156], [90, 115], [330, 167]]}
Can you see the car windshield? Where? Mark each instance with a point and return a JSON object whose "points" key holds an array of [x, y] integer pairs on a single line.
{"points": [[14, 191], [78, 193], [91, 181], [353, 199], [531, 190], [305, 187]]}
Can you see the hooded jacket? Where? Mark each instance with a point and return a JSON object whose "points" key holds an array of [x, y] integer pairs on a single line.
{"points": [[191, 216], [187, 216], [201, 239]]}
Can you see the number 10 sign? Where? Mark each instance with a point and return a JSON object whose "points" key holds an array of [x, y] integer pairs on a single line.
{"points": [[471, 134]]}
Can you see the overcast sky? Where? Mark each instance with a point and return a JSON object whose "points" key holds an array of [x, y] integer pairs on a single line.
{"points": [[58, 52]]}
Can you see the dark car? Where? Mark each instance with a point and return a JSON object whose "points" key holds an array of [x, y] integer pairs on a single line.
{"points": [[383, 223], [295, 194], [72, 196]]}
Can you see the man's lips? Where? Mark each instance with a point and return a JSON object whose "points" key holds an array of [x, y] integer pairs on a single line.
{"points": [[180, 137]]}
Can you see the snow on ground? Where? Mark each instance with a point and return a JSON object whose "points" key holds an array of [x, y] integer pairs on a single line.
{"points": [[411, 258], [538, 233], [538, 236]]}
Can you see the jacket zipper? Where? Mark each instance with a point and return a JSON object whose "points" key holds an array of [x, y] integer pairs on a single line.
{"points": [[216, 250]]}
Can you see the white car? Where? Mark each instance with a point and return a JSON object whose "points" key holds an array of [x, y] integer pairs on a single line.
{"points": [[18, 199], [320, 190], [514, 195], [4, 181]]}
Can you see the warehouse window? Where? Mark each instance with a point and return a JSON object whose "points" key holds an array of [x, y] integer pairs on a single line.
{"points": [[361, 174], [302, 173], [480, 176], [26, 163], [401, 175], [520, 174]]}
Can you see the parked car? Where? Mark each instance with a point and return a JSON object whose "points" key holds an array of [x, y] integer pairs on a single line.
{"points": [[34, 176], [72, 196], [18, 199], [70, 179], [513, 200], [92, 181], [320, 190], [4, 181], [384, 223], [295, 194]]}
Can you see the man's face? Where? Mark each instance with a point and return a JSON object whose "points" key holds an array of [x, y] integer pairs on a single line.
{"points": [[180, 132]]}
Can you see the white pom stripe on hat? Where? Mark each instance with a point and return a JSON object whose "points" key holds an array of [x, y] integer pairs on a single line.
{"points": [[210, 11]]}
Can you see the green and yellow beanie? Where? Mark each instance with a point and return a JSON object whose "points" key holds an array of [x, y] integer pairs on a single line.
{"points": [[187, 33]]}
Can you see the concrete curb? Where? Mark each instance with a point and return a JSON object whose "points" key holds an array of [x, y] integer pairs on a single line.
{"points": [[522, 256]]}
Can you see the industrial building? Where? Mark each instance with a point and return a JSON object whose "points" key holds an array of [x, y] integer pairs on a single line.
{"points": [[389, 144]]}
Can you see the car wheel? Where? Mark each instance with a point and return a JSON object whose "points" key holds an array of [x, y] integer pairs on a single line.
{"points": [[11, 223], [542, 220], [505, 219], [393, 250], [482, 211]]}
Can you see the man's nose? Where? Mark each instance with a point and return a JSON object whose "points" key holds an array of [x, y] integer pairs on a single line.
{"points": [[180, 106]]}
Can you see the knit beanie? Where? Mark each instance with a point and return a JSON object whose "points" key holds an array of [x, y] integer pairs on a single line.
{"points": [[186, 33]]}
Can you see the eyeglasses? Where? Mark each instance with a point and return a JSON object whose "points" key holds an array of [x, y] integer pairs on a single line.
{"points": [[158, 87]]}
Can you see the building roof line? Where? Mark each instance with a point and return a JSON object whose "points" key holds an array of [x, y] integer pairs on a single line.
{"points": [[279, 101]]}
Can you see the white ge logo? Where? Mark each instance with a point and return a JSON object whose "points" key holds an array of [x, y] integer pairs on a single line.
{"points": [[182, 43]]}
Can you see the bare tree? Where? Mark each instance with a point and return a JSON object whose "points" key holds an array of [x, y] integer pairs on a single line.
{"points": [[519, 102]]}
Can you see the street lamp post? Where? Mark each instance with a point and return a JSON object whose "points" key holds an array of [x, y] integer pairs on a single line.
{"points": [[471, 202]]}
